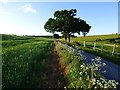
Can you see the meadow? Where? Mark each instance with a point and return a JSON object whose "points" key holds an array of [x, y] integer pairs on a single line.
{"points": [[104, 46]]}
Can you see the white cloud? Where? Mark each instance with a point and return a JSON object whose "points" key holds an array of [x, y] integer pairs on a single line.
{"points": [[28, 9], [3, 1]]}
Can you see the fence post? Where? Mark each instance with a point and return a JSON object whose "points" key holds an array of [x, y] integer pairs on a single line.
{"points": [[113, 48], [102, 47], [94, 45], [84, 43]]}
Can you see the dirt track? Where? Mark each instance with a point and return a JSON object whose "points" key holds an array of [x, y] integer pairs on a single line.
{"points": [[54, 73]]}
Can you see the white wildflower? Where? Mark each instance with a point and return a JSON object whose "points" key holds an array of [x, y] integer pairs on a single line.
{"points": [[65, 87], [93, 80], [105, 86], [95, 87], [117, 83], [93, 83], [104, 71], [92, 59], [104, 64], [80, 73], [87, 68], [82, 66]]}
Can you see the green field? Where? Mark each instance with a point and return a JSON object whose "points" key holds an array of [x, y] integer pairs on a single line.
{"points": [[104, 47], [24, 60], [29, 62], [94, 37], [105, 39]]}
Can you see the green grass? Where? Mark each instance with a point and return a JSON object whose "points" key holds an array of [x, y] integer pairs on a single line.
{"points": [[94, 37], [15, 37], [11, 43], [107, 55], [107, 50], [24, 61]]}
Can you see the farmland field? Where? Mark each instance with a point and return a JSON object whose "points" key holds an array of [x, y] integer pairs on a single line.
{"points": [[35, 62]]}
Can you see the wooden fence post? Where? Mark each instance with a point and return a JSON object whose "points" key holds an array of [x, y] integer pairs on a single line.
{"points": [[102, 47], [113, 48], [94, 45], [84, 43]]}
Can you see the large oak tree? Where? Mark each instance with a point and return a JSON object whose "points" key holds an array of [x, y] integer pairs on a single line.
{"points": [[66, 22]]}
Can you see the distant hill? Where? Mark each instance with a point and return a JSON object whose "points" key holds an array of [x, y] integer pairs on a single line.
{"points": [[102, 37]]}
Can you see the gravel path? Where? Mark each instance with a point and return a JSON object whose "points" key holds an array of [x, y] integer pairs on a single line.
{"points": [[112, 70]]}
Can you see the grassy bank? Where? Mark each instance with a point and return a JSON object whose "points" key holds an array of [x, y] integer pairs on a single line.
{"points": [[80, 75]]}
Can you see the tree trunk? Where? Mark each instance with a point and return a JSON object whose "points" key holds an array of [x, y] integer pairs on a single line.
{"points": [[65, 37], [68, 37]]}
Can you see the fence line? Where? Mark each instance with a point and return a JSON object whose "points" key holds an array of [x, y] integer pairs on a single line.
{"points": [[102, 47]]}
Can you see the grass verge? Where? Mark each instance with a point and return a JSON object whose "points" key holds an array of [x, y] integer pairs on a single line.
{"points": [[78, 74]]}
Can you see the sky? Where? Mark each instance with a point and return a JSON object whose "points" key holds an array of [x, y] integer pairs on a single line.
{"points": [[28, 18]]}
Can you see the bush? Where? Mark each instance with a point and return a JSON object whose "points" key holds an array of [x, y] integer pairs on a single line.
{"points": [[112, 40]]}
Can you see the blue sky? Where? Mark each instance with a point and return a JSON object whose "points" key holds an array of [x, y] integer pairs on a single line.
{"points": [[28, 18]]}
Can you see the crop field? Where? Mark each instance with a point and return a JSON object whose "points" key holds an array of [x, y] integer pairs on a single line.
{"points": [[23, 61]]}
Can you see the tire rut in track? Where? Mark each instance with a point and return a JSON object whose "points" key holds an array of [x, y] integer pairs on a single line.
{"points": [[54, 73]]}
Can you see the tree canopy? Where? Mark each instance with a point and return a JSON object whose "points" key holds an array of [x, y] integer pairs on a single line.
{"points": [[64, 21]]}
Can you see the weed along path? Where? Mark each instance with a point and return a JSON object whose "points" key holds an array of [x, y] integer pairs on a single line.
{"points": [[112, 70], [54, 77]]}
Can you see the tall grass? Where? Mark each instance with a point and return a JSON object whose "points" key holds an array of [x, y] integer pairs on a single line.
{"points": [[24, 63]]}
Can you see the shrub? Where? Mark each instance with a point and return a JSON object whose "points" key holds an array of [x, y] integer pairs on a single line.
{"points": [[112, 40]]}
